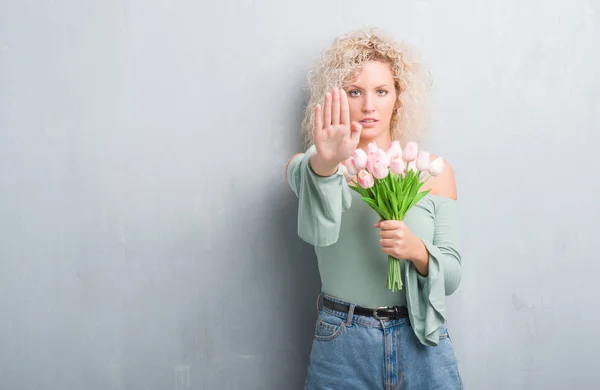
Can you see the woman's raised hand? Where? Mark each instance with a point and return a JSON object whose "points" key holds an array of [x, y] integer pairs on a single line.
{"points": [[335, 137]]}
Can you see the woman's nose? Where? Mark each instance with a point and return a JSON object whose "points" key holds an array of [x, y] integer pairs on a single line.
{"points": [[368, 106]]}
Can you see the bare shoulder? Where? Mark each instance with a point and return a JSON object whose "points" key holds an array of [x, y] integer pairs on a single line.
{"points": [[290, 160], [444, 184]]}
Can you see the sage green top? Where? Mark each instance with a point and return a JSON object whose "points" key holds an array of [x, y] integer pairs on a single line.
{"points": [[339, 224]]}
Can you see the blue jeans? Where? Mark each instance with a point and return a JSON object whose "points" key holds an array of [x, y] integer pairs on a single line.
{"points": [[357, 352]]}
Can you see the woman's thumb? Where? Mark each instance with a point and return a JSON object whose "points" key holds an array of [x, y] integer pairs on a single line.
{"points": [[356, 129]]}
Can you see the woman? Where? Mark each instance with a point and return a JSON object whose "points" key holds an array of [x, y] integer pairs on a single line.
{"points": [[366, 336]]}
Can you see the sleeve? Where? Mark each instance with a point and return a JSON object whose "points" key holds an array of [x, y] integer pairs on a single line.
{"points": [[425, 296], [321, 200]]}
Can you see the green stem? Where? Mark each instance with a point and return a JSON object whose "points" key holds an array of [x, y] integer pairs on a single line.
{"points": [[394, 280]]}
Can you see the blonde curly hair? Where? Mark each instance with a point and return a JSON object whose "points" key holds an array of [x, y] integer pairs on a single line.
{"points": [[342, 61]]}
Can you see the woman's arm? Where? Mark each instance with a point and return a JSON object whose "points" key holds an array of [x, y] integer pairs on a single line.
{"points": [[316, 177], [445, 244], [425, 295], [321, 200], [443, 185], [289, 161]]}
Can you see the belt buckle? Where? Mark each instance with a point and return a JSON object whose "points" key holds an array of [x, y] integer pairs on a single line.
{"points": [[375, 313]]}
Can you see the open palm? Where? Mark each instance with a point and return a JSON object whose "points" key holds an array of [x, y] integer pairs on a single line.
{"points": [[335, 137]]}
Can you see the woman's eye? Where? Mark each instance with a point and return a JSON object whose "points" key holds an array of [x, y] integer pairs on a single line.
{"points": [[382, 92], [354, 92]]}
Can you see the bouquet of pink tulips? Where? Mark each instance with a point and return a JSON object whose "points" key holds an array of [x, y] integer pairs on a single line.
{"points": [[389, 182]]}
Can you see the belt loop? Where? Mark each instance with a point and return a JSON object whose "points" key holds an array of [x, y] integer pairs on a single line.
{"points": [[318, 298], [350, 315]]}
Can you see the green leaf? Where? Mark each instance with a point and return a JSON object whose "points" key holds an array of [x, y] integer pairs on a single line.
{"points": [[414, 188], [386, 183], [380, 201], [395, 208], [406, 198], [382, 213], [389, 195], [360, 190], [418, 197]]}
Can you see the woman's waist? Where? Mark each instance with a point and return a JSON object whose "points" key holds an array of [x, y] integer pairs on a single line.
{"points": [[391, 315], [355, 290], [357, 275]]}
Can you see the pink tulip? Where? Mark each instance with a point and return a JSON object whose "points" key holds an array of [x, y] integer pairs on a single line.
{"points": [[395, 150], [380, 170], [351, 166], [371, 160], [436, 167], [383, 158], [411, 166], [410, 152], [397, 165], [365, 179], [378, 157], [360, 158], [423, 161], [347, 175], [372, 148]]}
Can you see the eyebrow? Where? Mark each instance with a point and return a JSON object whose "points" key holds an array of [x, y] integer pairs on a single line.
{"points": [[379, 86]]}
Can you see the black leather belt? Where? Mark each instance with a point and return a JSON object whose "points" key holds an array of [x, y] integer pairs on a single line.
{"points": [[379, 313]]}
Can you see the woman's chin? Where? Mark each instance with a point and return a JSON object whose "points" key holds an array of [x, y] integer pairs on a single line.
{"points": [[370, 135]]}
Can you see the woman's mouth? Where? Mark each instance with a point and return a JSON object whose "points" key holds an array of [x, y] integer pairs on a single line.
{"points": [[368, 122]]}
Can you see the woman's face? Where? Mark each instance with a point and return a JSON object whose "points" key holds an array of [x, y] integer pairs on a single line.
{"points": [[372, 98]]}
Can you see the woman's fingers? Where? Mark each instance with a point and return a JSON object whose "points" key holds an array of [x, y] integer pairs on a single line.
{"points": [[388, 234], [335, 109], [387, 243], [327, 110], [392, 224], [344, 108], [356, 129], [318, 120]]}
